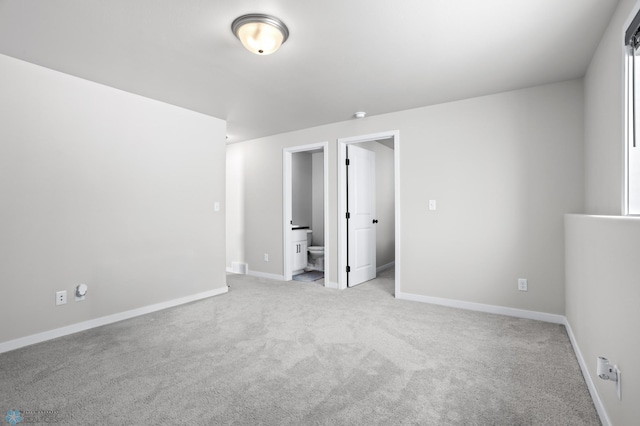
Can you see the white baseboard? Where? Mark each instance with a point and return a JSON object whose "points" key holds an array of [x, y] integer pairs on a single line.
{"points": [[604, 417], [385, 267], [492, 309], [109, 319], [265, 275], [331, 284]]}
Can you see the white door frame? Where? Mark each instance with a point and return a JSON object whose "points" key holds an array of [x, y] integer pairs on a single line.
{"points": [[342, 201], [287, 201]]}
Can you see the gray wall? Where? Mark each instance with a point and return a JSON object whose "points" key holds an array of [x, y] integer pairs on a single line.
{"points": [[235, 206], [317, 202], [604, 104], [602, 252], [603, 292], [503, 182], [301, 183], [106, 188]]}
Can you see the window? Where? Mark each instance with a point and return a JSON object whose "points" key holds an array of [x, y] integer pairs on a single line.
{"points": [[632, 148]]}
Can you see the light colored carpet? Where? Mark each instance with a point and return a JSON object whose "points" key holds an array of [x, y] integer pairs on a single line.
{"points": [[275, 353]]}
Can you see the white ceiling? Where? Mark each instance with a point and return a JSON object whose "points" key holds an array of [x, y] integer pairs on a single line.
{"points": [[342, 56]]}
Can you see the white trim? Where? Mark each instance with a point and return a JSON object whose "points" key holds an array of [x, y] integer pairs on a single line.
{"points": [[625, 128], [231, 271], [109, 319], [625, 111], [397, 213], [480, 307], [266, 275], [286, 215], [385, 267], [286, 204], [331, 284], [604, 417], [601, 216], [342, 201]]}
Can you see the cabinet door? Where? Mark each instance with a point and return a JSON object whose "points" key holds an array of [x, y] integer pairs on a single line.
{"points": [[299, 255], [303, 254], [296, 256]]}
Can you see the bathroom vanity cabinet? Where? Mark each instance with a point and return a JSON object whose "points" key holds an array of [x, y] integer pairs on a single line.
{"points": [[299, 249]]}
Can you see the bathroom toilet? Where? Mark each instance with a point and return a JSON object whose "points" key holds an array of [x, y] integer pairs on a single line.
{"points": [[316, 257], [316, 254]]}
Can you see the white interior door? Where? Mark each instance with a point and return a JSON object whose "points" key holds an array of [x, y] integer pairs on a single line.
{"points": [[361, 208]]}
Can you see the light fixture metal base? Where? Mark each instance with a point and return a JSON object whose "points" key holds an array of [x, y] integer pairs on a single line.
{"points": [[258, 33]]}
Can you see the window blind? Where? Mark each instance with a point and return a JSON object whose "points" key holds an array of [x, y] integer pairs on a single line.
{"points": [[632, 35]]}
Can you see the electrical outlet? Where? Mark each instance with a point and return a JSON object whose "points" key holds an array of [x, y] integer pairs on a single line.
{"points": [[61, 297], [266, 257], [522, 284]]}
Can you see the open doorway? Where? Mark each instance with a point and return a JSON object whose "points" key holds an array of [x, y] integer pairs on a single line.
{"points": [[387, 211], [306, 211]]}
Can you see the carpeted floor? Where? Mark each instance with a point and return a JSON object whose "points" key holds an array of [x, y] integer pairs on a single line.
{"points": [[276, 353]]}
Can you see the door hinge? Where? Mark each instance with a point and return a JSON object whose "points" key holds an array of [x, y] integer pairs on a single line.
{"points": [[348, 268], [348, 215], [347, 162]]}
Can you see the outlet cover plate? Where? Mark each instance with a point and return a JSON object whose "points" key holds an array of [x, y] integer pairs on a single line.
{"points": [[522, 284], [61, 297]]}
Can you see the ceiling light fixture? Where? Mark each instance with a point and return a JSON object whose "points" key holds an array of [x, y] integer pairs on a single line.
{"points": [[260, 34], [360, 114]]}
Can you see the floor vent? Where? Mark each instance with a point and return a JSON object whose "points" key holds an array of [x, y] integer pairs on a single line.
{"points": [[239, 268]]}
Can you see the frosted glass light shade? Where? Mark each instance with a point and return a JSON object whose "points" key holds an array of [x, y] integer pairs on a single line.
{"points": [[260, 34]]}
